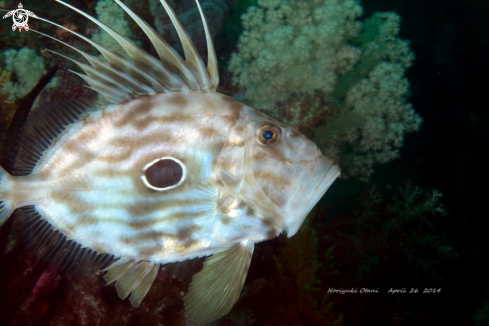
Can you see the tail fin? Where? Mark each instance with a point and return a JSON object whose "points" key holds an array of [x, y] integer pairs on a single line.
{"points": [[5, 209]]}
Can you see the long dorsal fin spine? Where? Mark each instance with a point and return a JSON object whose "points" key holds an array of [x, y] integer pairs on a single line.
{"points": [[192, 57], [143, 74], [101, 79], [93, 73], [166, 79], [115, 60], [112, 95], [103, 67], [212, 67], [168, 55]]}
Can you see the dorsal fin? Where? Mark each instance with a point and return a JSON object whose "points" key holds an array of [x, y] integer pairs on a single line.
{"points": [[42, 127], [143, 74]]}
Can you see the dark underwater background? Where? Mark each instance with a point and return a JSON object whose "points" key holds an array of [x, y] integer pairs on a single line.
{"points": [[393, 232]]}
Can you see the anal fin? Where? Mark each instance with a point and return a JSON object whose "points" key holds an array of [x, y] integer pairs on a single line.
{"points": [[54, 246], [216, 288], [133, 278]]}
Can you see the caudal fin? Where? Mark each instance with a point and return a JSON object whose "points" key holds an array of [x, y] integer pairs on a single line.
{"points": [[5, 209]]}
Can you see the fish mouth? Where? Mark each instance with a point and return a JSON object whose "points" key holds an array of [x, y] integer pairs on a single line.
{"points": [[312, 184], [324, 174], [330, 173]]}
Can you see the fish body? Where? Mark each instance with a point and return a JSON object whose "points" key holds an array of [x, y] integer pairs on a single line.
{"points": [[168, 172]]}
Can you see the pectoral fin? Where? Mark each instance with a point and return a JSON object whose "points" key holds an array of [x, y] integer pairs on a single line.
{"points": [[132, 277], [216, 288]]}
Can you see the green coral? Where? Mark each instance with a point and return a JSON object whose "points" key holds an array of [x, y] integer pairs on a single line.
{"points": [[304, 59], [112, 15], [374, 121], [378, 42], [294, 46], [26, 69]]}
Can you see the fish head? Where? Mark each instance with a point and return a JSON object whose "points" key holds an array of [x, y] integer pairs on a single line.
{"points": [[283, 173]]}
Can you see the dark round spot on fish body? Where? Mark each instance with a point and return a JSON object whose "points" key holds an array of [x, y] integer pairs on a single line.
{"points": [[164, 173]]}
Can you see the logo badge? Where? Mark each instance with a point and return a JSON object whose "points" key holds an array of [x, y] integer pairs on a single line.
{"points": [[20, 17]]}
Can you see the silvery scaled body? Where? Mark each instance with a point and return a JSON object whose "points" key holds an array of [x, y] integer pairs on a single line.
{"points": [[171, 170]]}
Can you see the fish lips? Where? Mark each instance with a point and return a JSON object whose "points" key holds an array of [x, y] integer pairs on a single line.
{"points": [[312, 182]]}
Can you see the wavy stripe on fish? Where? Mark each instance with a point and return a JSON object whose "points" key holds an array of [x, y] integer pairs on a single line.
{"points": [[170, 170]]}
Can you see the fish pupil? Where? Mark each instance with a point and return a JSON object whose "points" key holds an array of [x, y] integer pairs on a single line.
{"points": [[164, 173], [268, 134]]}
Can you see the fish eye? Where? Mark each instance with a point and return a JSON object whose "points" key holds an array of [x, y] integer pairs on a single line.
{"points": [[267, 134], [164, 173]]}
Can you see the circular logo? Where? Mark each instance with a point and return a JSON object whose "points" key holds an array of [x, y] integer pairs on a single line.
{"points": [[20, 18]]}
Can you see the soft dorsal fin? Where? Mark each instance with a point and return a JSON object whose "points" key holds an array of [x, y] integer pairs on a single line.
{"points": [[121, 79], [42, 128]]}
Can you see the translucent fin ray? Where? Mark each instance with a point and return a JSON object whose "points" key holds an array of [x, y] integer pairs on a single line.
{"points": [[43, 126], [212, 67], [143, 287], [132, 278], [166, 79], [216, 288], [118, 62], [105, 85], [54, 246], [143, 74], [168, 56], [134, 87], [192, 57]]}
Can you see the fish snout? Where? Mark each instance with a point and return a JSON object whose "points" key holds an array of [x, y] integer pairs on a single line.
{"points": [[305, 152], [310, 186]]}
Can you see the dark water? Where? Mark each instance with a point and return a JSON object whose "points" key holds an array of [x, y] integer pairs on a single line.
{"points": [[364, 240]]}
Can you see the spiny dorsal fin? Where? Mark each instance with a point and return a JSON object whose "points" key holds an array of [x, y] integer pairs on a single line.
{"points": [[191, 55], [143, 74], [216, 288], [117, 65], [166, 79], [131, 86], [212, 67], [167, 54]]}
